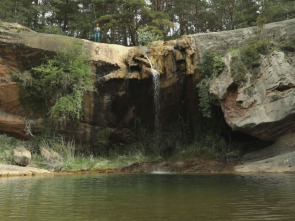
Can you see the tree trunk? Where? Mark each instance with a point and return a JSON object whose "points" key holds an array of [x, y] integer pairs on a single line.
{"points": [[66, 16], [125, 40], [167, 6], [181, 26], [132, 35], [35, 14], [155, 4], [197, 18]]}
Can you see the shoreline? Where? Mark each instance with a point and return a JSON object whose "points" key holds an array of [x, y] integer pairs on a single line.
{"points": [[195, 166], [192, 166]]}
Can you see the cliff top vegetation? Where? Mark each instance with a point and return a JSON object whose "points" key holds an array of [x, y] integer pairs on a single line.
{"points": [[121, 20]]}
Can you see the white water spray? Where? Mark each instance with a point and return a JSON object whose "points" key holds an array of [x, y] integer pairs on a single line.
{"points": [[156, 85]]}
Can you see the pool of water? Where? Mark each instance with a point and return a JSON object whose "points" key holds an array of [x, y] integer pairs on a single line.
{"points": [[148, 197]]}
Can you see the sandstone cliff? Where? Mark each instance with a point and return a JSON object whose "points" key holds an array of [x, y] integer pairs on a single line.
{"points": [[123, 80], [263, 106], [124, 94]]}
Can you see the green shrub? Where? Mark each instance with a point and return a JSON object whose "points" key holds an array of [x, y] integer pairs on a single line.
{"points": [[147, 36], [237, 67], [260, 22], [288, 47], [205, 98], [7, 144], [57, 87], [251, 52], [248, 58], [52, 30], [212, 65]]}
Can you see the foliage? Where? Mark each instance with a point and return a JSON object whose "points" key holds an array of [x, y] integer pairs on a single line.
{"points": [[205, 98], [52, 30], [211, 139], [146, 36], [57, 87], [261, 21], [7, 144], [250, 53], [120, 19], [288, 46], [237, 67], [130, 16], [212, 66], [277, 10], [55, 153], [190, 138], [248, 58]]}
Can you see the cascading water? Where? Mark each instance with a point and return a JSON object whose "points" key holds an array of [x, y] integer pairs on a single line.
{"points": [[156, 85]]}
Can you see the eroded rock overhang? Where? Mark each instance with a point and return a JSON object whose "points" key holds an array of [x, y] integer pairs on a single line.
{"points": [[263, 106]]}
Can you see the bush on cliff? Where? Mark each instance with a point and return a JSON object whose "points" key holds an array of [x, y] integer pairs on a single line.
{"points": [[247, 59], [212, 65], [56, 88], [288, 46]]}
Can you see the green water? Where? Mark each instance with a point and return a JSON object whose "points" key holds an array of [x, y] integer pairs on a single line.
{"points": [[148, 197]]}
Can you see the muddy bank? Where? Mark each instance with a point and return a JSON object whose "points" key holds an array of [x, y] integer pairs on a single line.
{"points": [[196, 165]]}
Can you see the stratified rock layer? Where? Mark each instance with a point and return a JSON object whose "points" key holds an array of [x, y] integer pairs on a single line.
{"points": [[264, 105], [123, 79]]}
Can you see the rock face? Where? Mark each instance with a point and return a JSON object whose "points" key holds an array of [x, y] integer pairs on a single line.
{"points": [[264, 105], [123, 80], [277, 164]]}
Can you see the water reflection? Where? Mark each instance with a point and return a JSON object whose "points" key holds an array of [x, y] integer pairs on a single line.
{"points": [[149, 197]]}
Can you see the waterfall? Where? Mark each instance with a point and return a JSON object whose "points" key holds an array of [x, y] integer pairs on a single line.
{"points": [[156, 87]]}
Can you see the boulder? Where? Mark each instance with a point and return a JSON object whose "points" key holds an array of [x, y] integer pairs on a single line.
{"points": [[282, 163], [264, 106], [21, 156]]}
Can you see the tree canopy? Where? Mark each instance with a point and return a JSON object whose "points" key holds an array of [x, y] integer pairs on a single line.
{"points": [[121, 19]]}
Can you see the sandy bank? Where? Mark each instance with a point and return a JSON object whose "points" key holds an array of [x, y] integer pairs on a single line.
{"points": [[13, 170]]}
